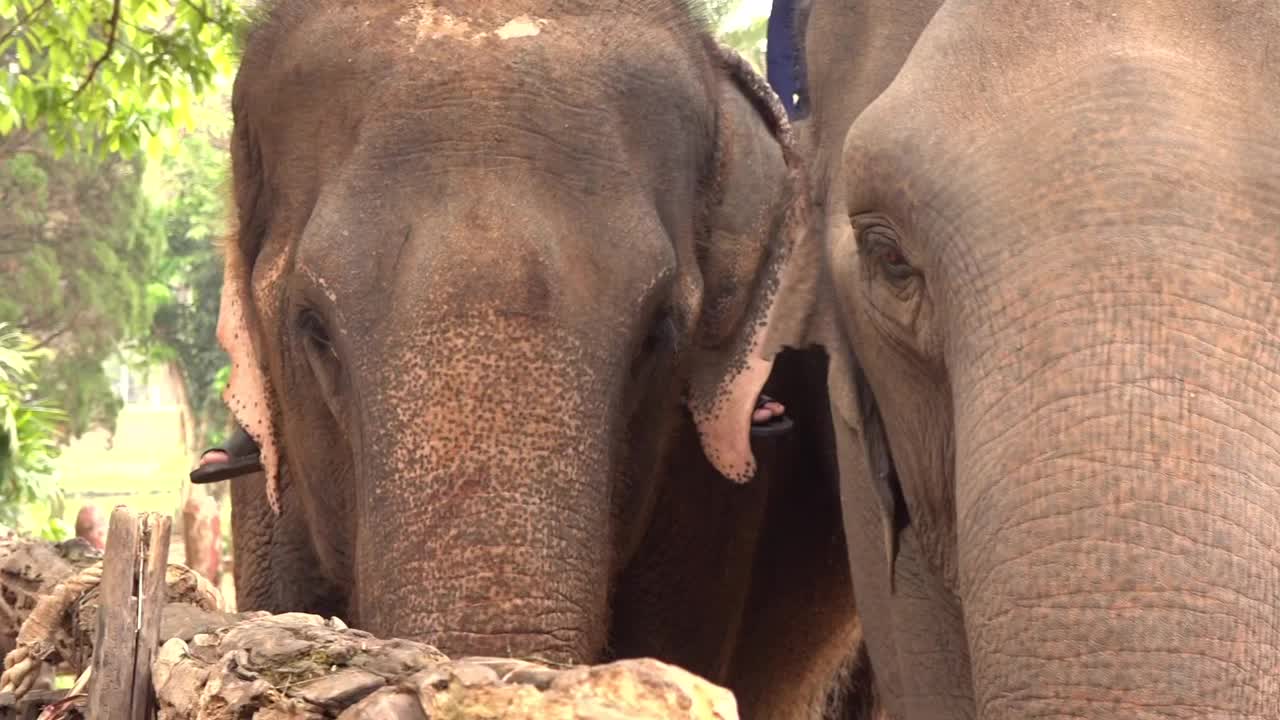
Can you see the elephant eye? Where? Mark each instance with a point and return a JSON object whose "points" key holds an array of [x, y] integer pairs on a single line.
{"points": [[661, 335], [321, 356], [895, 263], [878, 241], [312, 329]]}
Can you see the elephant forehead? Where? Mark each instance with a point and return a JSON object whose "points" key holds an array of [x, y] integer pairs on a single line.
{"points": [[436, 88], [433, 23], [397, 42]]}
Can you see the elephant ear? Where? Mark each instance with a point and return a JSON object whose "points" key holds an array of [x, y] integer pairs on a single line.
{"points": [[248, 393], [755, 263]]}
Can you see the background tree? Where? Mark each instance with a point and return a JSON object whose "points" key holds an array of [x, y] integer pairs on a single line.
{"points": [[748, 39], [28, 431], [94, 260], [110, 75], [76, 251], [193, 185], [85, 255]]}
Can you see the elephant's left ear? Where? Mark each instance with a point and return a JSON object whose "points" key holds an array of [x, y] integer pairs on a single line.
{"points": [[758, 271]]}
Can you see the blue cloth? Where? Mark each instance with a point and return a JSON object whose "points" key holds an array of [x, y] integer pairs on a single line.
{"points": [[782, 58]]}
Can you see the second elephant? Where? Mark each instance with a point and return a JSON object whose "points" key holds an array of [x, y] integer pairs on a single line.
{"points": [[1046, 279]]}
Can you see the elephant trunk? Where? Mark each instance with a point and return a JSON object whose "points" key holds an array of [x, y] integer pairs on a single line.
{"points": [[485, 526], [1117, 498]]}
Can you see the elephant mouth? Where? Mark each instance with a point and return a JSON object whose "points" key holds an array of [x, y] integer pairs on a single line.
{"points": [[893, 512]]}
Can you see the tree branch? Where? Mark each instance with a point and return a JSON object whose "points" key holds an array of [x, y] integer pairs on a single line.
{"points": [[18, 140], [112, 24], [50, 338], [16, 251], [204, 14], [34, 11]]}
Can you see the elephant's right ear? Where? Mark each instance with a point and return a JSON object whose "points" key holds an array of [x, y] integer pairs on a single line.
{"points": [[248, 393], [758, 264]]}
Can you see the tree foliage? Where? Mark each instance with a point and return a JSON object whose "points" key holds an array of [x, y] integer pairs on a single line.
{"points": [[716, 10], [111, 74], [196, 203], [29, 437], [77, 252], [749, 41], [87, 266]]}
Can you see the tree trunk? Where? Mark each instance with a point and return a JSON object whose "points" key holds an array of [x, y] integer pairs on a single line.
{"points": [[202, 535]]}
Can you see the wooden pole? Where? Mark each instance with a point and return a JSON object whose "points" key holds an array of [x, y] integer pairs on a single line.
{"points": [[131, 598], [155, 559], [110, 692]]}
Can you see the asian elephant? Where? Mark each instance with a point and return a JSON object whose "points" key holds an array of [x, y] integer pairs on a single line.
{"points": [[1047, 283], [498, 270]]}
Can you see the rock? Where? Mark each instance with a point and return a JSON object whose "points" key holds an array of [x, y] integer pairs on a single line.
{"points": [[302, 667], [214, 665]]}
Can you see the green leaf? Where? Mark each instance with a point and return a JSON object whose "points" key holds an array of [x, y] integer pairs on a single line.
{"points": [[157, 43], [24, 52]]}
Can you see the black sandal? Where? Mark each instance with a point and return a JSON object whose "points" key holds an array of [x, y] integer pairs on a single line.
{"points": [[774, 426], [242, 459]]}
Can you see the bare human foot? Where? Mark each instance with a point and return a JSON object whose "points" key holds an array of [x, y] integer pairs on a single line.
{"points": [[214, 456], [767, 410]]}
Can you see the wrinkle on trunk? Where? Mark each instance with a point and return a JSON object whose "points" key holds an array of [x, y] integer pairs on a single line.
{"points": [[483, 510], [1119, 524]]}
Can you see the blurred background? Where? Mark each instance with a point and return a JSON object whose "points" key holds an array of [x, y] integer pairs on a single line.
{"points": [[114, 117]]}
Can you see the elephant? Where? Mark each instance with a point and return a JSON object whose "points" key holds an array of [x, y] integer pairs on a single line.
{"points": [[496, 273], [1044, 277]]}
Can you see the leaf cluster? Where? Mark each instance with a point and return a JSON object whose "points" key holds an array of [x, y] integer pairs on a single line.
{"points": [[111, 75], [29, 428]]}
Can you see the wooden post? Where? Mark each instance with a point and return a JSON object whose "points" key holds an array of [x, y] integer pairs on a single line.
{"points": [[151, 596], [131, 598], [110, 691]]}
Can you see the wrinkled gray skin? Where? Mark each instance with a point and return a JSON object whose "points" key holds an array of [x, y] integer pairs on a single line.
{"points": [[483, 251], [852, 51], [1050, 303]]}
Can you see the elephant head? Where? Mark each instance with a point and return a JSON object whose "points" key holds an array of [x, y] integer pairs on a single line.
{"points": [[1046, 282], [484, 253]]}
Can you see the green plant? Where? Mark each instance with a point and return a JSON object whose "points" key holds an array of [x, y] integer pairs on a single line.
{"points": [[117, 76], [29, 431]]}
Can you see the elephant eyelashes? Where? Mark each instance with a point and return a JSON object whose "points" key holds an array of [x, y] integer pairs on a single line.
{"points": [[313, 331], [879, 242], [321, 355], [660, 340], [661, 337]]}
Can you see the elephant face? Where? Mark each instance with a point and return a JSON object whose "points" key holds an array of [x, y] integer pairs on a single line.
{"points": [[1051, 254], [482, 255]]}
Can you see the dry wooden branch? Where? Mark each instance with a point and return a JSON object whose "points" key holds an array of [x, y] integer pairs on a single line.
{"points": [[132, 599], [151, 599], [111, 690]]}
